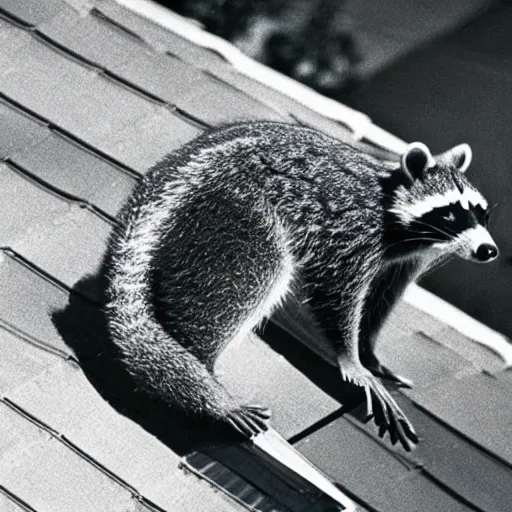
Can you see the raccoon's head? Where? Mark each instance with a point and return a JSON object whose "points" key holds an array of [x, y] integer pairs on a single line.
{"points": [[435, 206]]}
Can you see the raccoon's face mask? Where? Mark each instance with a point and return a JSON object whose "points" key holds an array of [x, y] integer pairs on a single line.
{"points": [[439, 205]]}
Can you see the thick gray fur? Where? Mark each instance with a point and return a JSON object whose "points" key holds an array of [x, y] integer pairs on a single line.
{"points": [[223, 230]]}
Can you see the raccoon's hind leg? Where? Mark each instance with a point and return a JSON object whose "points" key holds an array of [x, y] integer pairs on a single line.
{"points": [[222, 267]]}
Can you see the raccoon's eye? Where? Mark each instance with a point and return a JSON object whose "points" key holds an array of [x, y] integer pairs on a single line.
{"points": [[449, 218]]}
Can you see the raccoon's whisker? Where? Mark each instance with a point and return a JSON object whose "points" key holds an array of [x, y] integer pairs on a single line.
{"points": [[450, 234], [415, 239]]}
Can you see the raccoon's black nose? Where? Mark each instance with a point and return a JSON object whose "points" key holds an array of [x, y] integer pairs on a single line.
{"points": [[486, 252]]}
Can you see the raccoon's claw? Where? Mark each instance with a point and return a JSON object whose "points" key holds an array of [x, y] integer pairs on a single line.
{"points": [[370, 362], [385, 373], [249, 420], [382, 407]]}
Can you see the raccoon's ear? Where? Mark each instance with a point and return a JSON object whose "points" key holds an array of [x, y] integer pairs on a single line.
{"points": [[459, 156], [416, 160]]}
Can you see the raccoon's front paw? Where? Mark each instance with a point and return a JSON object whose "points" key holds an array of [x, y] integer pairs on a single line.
{"points": [[249, 420], [381, 406]]}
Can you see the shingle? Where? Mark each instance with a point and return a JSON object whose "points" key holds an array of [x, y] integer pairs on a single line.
{"points": [[295, 401], [142, 143], [69, 248], [8, 505], [267, 102], [63, 398], [21, 361], [214, 103], [60, 237], [447, 457], [158, 36], [90, 106], [344, 452], [423, 360], [24, 207], [478, 406], [407, 319], [468, 471], [49, 476], [372, 472], [279, 102], [71, 168], [18, 130], [88, 36], [34, 13], [31, 302], [419, 494], [160, 74], [505, 375], [478, 354]]}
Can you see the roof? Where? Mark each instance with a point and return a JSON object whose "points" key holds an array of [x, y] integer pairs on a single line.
{"points": [[91, 95]]}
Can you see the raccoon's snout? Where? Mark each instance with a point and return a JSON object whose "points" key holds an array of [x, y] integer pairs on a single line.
{"points": [[476, 244], [485, 253]]}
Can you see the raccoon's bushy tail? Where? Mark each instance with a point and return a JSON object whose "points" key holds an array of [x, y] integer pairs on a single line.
{"points": [[160, 366]]}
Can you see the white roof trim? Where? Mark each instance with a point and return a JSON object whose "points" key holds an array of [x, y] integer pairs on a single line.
{"points": [[362, 127], [271, 443]]}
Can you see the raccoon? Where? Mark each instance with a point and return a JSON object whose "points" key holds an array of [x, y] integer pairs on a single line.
{"points": [[246, 217]]}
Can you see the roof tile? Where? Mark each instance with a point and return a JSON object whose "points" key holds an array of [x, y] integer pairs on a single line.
{"points": [[34, 13], [203, 100], [270, 372], [153, 469], [144, 142], [31, 303], [19, 131], [481, 356], [23, 207], [49, 476], [56, 247], [53, 232], [478, 406], [90, 106], [8, 505], [20, 361], [468, 471], [370, 470], [423, 360], [161, 74], [89, 35], [159, 37], [69, 167], [447, 457], [407, 319]]}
